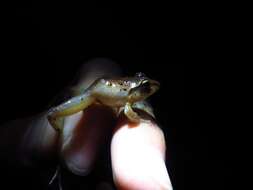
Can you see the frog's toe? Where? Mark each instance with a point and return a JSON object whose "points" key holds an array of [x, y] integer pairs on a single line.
{"points": [[56, 123], [131, 114]]}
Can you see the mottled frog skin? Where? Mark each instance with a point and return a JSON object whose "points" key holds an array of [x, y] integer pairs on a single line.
{"points": [[116, 93]]}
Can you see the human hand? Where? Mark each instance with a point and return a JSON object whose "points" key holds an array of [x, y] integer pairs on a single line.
{"points": [[137, 152]]}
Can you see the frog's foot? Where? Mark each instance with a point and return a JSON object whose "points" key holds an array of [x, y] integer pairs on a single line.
{"points": [[131, 114], [56, 122], [144, 106]]}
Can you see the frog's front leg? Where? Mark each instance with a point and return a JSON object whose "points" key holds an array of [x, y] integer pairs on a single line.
{"points": [[131, 114], [144, 106], [56, 115]]}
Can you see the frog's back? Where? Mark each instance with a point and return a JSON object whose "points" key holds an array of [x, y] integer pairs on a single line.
{"points": [[111, 92]]}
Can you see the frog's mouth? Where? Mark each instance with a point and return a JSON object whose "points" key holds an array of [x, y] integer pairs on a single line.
{"points": [[146, 89]]}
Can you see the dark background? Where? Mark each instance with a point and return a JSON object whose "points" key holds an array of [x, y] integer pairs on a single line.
{"points": [[43, 45]]}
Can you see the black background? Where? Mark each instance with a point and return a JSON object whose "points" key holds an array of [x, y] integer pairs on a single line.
{"points": [[43, 44]]}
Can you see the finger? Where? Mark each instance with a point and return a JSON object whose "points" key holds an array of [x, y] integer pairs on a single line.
{"points": [[138, 154], [85, 132], [83, 135], [94, 69], [28, 141]]}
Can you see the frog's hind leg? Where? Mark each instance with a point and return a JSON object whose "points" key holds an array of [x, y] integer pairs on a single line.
{"points": [[56, 115], [131, 114]]}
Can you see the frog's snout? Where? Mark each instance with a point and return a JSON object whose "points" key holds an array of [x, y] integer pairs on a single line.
{"points": [[154, 85], [149, 87]]}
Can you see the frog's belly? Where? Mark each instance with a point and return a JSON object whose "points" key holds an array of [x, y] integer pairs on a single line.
{"points": [[112, 102]]}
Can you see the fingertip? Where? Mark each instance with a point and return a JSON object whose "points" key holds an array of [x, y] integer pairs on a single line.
{"points": [[138, 155]]}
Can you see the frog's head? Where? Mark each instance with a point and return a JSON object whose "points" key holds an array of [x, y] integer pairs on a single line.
{"points": [[142, 88]]}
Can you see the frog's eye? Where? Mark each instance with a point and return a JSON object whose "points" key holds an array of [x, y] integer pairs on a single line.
{"points": [[140, 75], [145, 82]]}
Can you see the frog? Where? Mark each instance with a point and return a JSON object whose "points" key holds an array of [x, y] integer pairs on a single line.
{"points": [[118, 93]]}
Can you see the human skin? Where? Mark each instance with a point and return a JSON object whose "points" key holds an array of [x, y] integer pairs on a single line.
{"points": [[137, 151]]}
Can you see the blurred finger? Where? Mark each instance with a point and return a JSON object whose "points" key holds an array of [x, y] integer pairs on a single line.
{"points": [[85, 132], [83, 135], [138, 154]]}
